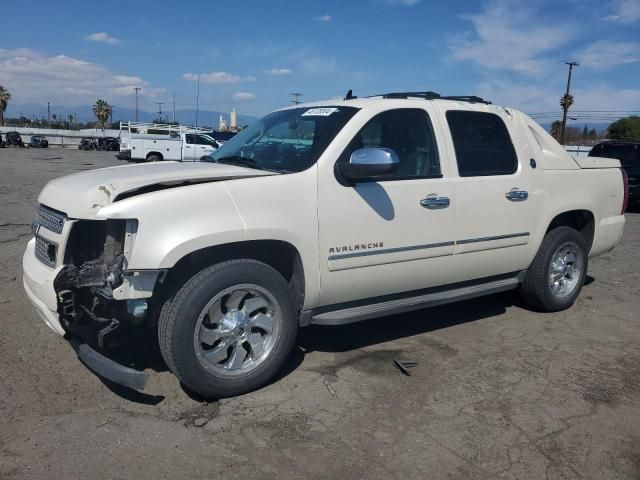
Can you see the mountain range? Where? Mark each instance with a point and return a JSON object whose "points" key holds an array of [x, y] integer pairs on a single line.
{"points": [[84, 113]]}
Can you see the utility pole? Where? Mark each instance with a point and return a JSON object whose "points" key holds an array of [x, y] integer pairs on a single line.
{"points": [[296, 98], [160, 110], [174, 108], [137, 89], [198, 101], [566, 101], [49, 114]]}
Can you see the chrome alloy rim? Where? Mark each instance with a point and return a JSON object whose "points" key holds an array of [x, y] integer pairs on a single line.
{"points": [[237, 330], [565, 270]]}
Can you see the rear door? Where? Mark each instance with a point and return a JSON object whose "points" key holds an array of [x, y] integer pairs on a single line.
{"points": [[493, 194]]}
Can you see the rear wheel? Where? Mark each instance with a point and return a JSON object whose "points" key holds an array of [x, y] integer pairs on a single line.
{"points": [[154, 158], [229, 329], [557, 273]]}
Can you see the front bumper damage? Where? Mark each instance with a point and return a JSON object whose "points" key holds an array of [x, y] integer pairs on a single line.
{"points": [[88, 292]]}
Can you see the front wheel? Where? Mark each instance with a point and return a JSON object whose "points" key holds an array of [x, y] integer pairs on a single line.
{"points": [[229, 329], [557, 273]]}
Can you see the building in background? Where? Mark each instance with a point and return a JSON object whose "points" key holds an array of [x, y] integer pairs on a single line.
{"points": [[232, 126], [233, 121], [222, 125]]}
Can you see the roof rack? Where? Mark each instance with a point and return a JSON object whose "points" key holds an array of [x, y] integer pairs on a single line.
{"points": [[435, 96], [143, 127]]}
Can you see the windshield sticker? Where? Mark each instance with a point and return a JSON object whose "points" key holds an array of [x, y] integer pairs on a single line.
{"points": [[319, 112]]}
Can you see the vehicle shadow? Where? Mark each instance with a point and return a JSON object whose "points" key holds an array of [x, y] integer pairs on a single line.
{"points": [[134, 347], [137, 347], [321, 338]]}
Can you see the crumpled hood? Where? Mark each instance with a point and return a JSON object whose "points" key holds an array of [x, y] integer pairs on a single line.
{"points": [[81, 195]]}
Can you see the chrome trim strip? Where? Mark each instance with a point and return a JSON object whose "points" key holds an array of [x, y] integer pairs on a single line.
{"points": [[50, 219], [426, 246], [497, 237], [391, 250], [41, 253]]}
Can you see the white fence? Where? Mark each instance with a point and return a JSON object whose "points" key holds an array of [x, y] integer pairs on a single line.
{"points": [[61, 138]]}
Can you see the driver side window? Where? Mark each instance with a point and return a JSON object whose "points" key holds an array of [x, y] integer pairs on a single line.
{"points": [[409, 133]]}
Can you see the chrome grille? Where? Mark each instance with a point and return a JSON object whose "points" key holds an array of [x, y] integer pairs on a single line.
{"points": [[46, 251], [50, 219]]}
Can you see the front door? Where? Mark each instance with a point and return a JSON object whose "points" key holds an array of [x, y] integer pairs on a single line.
{"points": [[394, 235], [189, 147]]}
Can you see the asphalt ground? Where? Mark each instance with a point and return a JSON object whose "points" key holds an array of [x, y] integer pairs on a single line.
{"points": [[499, 391]]}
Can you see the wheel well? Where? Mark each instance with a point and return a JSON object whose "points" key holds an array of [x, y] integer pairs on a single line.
{"points": [[280, 255], [582, 220], [154, 153]]}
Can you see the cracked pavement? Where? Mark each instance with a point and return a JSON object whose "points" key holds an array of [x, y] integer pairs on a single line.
{"points": [[499, 391]]}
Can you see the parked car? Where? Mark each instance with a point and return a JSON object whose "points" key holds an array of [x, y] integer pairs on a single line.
{"points": [[325, 213], [39, 141], [165, 142], [14, 139], [88, 143], [629, 155], [111, 144]]}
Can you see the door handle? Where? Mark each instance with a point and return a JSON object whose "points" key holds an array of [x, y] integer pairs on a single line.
{"points": [[516, 195], [433, 202]]}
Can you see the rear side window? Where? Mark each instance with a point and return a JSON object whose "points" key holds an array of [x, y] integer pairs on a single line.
{"points": [[482, 144]]}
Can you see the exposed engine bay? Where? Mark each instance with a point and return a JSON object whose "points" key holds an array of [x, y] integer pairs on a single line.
{"points": [[94, 288]]}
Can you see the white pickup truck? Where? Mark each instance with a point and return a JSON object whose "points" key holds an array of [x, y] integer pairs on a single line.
{"points": [[323, 213], [152, 142]]}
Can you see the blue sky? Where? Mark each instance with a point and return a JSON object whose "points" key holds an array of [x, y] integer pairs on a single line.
{"points": [[251, 55]]}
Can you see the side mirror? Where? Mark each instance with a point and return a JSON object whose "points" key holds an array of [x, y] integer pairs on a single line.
{"points": [[369, 164]]}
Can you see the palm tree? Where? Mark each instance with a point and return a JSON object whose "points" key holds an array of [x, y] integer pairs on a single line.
{"points": [[102, 110], [566, 101], [5, 96]]}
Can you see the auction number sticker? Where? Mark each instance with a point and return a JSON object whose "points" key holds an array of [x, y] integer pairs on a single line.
{"points": [[319, 112]]}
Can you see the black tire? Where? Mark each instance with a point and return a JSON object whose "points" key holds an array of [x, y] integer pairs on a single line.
{"points": [[179, 317], [536, 289], [154, 158]]}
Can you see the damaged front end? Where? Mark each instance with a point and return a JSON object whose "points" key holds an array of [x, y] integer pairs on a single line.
{"points": [[96, 292]]}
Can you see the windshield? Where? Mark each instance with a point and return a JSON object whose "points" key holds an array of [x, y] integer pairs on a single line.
{"points": [[210, 140], [287, 140]]}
